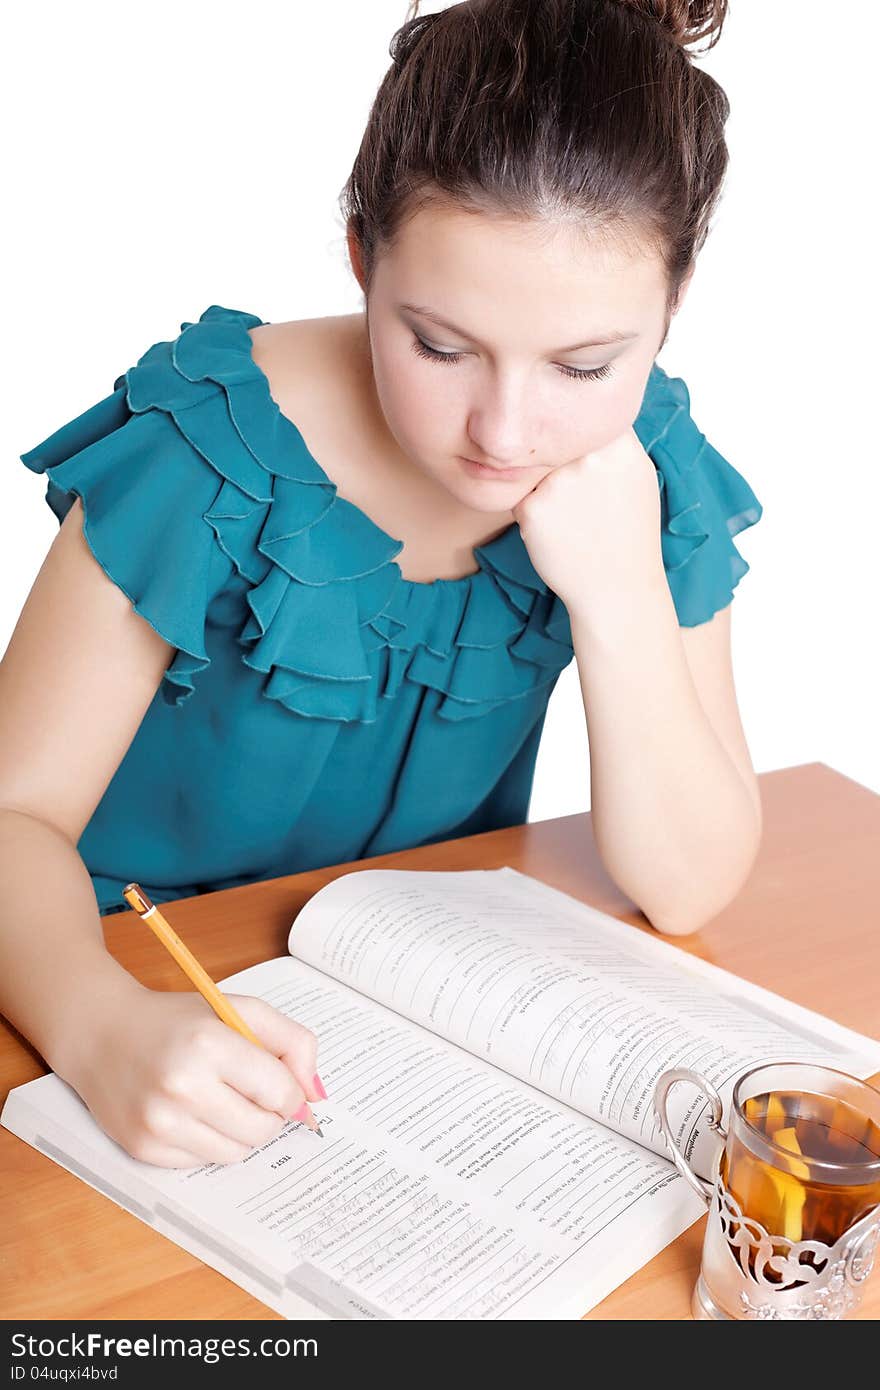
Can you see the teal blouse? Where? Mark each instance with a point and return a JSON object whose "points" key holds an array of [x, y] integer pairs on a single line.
{"points": [[319, 707]]}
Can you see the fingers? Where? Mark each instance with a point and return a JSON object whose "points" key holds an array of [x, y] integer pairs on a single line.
{"points": [[227, 1110], [192, 1135], [182, 1088], [196, 1120], [173, 1138], [262, 1079], [219, 1096], [288, 1042]]}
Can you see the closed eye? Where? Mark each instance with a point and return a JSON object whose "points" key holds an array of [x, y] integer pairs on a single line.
{"points": [[578, 373]]}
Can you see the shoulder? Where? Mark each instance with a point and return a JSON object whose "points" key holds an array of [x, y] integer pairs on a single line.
{"points": [[273, 343], [312, 365]]}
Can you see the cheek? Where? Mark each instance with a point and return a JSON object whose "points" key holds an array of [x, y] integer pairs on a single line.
{"points": [[430, 427], [412, 409], [612, 409]]}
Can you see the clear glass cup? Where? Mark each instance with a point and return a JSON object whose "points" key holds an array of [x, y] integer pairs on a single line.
{"points": [[794, 1201]]}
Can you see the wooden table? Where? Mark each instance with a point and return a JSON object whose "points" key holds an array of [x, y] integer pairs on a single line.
{"points": [[806, 924]]}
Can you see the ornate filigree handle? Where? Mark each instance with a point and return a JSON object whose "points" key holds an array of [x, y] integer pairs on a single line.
{"points": [[661, 1090]]}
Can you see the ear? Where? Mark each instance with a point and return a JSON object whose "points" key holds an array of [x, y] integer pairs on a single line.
{"points": [[354, 255]]}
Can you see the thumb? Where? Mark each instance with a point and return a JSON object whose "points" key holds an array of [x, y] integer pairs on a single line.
{"points": [[292, 1043]]}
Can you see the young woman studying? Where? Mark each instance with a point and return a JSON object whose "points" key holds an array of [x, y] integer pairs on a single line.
{"points": [[315, 580]]}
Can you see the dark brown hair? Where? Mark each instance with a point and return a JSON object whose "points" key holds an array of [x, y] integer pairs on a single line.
{"points": [[548, 109]]}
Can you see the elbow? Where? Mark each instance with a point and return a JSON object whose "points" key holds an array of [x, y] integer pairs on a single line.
{"points": [[678, 925], [684, 922], [690, 911]]}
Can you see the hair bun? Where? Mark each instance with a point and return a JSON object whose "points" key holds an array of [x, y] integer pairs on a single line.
{"points": [[687, 21]]}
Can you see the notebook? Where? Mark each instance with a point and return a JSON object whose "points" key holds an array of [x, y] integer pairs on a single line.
{"points": [[490, 1047]]}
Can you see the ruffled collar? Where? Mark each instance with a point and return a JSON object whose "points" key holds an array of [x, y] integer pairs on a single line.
{"points": [[333, 624], [218, 351]]}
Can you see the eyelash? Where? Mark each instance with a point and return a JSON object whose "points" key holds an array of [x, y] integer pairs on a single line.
{"points": [[578, 373]]}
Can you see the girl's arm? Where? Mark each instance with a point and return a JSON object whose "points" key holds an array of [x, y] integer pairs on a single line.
{"points": [[676, 810], [78, 674], [159, 1071]]}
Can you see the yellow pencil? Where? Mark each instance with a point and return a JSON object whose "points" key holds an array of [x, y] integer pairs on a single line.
{"points": [[138, 900]]}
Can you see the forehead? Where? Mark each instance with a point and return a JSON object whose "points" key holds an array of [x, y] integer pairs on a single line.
{"points": [[554, 276]]}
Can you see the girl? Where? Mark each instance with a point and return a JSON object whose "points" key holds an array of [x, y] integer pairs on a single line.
{"points": [[315, 581]]}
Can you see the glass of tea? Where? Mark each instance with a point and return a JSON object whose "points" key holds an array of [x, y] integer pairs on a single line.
{"points": [[794, 1196]]}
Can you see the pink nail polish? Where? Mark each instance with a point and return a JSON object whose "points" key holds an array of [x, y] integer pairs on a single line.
{"points": [[302, 1114], [319, 1086]]}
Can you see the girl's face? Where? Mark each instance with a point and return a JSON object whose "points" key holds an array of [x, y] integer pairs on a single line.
{"points": [[519, 377]]}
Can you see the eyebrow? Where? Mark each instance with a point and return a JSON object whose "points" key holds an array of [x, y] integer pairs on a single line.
{"points": [[612, 336]]}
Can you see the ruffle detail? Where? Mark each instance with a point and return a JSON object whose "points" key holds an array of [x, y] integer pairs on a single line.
{"points": [[142, 521], [704, 502], [191, 477], [190, 473]]}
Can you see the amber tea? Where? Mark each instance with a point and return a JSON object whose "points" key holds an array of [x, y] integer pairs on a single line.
{"points": [[788, 1182]]}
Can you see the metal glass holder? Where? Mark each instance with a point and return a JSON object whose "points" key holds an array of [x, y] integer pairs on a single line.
{"points": [[746, 1272]]}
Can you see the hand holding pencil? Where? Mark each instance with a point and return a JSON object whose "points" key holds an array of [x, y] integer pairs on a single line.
{"points": [[176, 1087], [170, 1082], [219, 1002]]}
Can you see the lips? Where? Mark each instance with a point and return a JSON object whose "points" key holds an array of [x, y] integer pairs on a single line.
{"points": [[502, 472], [494, 468]]}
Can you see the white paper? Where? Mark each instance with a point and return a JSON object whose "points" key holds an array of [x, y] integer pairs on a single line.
{"points": [[588, 1009]]}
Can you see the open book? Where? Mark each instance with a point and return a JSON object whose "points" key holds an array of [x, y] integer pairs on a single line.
{"points": [[490, 1047]]}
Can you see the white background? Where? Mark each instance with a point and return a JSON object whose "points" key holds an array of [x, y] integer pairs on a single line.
{"points": [[173, 156]]}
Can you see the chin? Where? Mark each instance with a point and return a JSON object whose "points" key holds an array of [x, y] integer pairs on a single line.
{"points": [[492, 501], [496, 497], [512, 498]]}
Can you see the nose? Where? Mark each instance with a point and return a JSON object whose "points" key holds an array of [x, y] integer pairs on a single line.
{"points": [[499, 426]]}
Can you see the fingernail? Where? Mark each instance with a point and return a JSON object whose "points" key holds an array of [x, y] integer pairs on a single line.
{"points": [[303, 1114], [319, 1086]]}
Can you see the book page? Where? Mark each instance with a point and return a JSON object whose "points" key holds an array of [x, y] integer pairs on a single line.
{"points": [[442, 1188], [586, 1008]]}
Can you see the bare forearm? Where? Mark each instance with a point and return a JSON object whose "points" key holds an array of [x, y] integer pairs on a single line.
{"points": [[673, 820], [55, 971]]}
